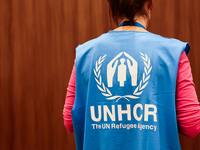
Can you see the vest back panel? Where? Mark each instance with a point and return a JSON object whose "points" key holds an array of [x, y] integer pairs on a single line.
{"points": [[125, 92]]}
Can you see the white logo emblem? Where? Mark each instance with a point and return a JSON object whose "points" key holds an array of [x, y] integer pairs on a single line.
{"points": [[121, 75], [122, 70]]}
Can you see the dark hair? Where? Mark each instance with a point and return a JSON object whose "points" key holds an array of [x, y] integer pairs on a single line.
{"points": [[125, 9]]}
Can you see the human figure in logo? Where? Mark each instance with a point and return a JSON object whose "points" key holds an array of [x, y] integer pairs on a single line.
{"points": [[133, 69], [122, 72]]}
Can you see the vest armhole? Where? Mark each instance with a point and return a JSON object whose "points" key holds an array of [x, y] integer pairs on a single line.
{"points": [[187, 48]]}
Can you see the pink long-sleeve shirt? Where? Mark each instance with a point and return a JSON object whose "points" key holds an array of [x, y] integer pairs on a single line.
{"points": [[187, 105]]}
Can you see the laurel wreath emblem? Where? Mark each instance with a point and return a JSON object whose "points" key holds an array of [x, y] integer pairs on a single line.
{"points": [[139, 89]]}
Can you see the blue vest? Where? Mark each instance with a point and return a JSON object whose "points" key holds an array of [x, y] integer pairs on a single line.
{"points": [[125, 92]]}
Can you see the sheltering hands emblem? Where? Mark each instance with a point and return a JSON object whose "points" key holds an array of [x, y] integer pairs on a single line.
{"points": [[121, 75]]}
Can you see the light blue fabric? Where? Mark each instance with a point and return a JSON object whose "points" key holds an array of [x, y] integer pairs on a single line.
{"points": [[125, 92]]}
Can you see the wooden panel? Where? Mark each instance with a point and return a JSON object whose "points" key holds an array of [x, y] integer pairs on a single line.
{"points": [[37, 50]]}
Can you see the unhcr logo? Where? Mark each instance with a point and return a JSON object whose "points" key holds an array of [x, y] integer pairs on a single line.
{"points": [[132, 66]]}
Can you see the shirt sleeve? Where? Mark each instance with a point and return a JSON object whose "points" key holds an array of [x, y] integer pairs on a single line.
{"points": [[69, 101], [187, 105]]}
